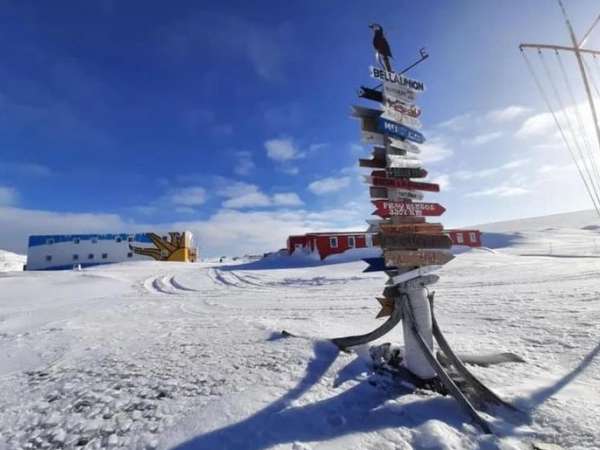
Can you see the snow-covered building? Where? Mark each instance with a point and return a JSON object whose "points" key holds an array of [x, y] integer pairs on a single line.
{"points": [[331, 243], [65, 251]]}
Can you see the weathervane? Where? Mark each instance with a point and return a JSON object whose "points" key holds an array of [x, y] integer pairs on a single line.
{"points": [[412, 248]]}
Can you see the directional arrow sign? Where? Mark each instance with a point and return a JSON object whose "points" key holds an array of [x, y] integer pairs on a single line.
{"points": [[396, 92], [406, 173], [376, 265], [387, 209], [421, 271], [394, 194], [373, 163], [408, 241], [398, 130], [417, 257], [370, 94], [387, 307], [428, 228], [402, 145], [362, 112], [402, 183], [395, 161]]}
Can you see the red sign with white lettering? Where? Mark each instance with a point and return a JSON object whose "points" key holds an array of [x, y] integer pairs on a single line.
{"points": [[386, 209]]}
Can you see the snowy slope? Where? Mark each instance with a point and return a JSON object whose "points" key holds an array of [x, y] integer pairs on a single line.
{"points": [[156, 355], [11, 261]]}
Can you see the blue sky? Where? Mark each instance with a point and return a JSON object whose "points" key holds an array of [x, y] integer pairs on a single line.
{"points": [[232, 118]]}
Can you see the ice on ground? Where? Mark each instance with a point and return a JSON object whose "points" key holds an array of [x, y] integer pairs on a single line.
{"points": [[171, 355]]}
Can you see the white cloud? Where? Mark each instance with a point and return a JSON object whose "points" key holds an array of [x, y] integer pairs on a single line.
{"points": [[443, 181], [485, 173], [499, 191], [244, 165], [537, 125], [248, 200], [26, 169], [242, 195], [282, 150], [8, 195], [328, 185], [287, 199], [484, 138], [188, 196], [435, 149], [17, 224], [507, 114], [457, 123]]}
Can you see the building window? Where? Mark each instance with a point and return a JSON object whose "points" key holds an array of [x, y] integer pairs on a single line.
{"points": [[333, 242], [75, 257], [49, 241], [48, 258], [459, 238], [91, 256], [130, 255], [104, 255], [351, 241], [76, 241], [130, 239], [473, 236]]}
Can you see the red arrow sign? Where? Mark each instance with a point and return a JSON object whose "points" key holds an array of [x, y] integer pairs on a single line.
{"points": [[406, 184], [386, 209]]}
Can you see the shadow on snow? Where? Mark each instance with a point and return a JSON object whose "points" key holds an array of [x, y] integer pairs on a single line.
{"points": [[359, 409]]}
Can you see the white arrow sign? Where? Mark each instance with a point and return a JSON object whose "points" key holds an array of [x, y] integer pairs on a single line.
{"points": [[403, 163]]}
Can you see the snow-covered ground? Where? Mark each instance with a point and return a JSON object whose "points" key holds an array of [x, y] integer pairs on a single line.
{"points": [[159, 355], [10, 262]]}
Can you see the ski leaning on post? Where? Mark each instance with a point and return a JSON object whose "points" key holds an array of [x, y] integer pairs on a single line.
{"points": [[412, 249]]}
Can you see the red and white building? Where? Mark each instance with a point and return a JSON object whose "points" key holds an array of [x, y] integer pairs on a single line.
{"points": [[331, 243]]}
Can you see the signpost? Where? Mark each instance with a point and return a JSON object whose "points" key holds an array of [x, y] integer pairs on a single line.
{"points": [[412, 248]]}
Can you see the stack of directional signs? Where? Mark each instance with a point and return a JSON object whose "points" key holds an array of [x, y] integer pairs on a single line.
{"points": [[411, 246]]}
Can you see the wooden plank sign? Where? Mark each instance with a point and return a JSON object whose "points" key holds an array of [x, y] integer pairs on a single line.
{"points": [[379, 152], [396, 111], [417, 257], [362, 113], [407, 241], [376, 265], [378, 192], [392, 90], [396, 79], [373, 163], [372, 138], [419, 272], [401, 145], [370, 94], [387, 307], [394, 194], [399, 162], [428, 228], [398, 130], [387, 208], [402, 183], [392, 172], [401, 220]]}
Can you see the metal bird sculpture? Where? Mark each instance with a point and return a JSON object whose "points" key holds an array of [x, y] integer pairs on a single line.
{"points": [[384, 53]]}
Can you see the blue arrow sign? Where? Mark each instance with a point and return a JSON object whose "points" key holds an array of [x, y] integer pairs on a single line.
{"points": [[376, 265], [399, 131]]}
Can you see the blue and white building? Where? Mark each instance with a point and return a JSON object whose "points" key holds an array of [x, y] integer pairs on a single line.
{"points": [[65, 251]]}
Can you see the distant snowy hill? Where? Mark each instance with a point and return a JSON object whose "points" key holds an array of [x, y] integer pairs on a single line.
{"points": [[11, 261], [568, 234]]}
